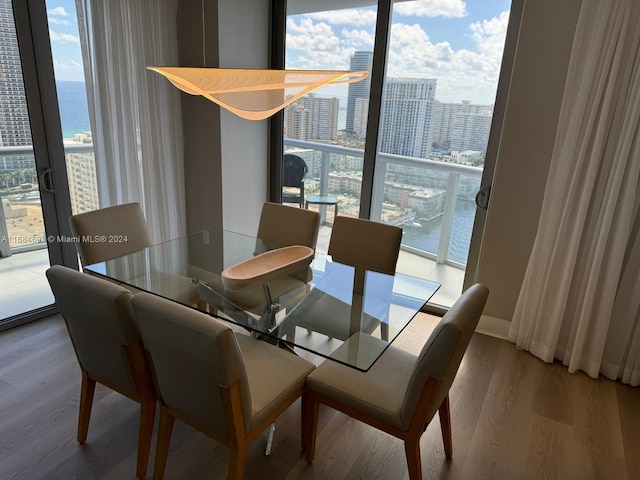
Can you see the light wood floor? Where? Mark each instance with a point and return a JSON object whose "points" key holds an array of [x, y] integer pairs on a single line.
{"points": [[513, 416]]}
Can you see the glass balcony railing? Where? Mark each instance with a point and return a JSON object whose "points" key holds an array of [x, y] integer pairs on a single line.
{"points": [[21, 221], [433, 201]]}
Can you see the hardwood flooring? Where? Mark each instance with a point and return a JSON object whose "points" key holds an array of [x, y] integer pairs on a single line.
{"points": [[513, 417]]}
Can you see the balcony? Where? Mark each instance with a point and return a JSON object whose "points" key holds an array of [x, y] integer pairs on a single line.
{"points": [[24, 257], [432, 201], [22, 266]]}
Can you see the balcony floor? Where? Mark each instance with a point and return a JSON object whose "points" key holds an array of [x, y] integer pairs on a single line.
{"points": [[450, 277], [23, 284]]}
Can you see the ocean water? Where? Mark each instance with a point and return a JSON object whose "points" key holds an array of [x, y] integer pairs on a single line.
{"points": [[74, 114]]}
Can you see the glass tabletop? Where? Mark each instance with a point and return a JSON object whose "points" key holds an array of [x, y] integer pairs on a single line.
{"points": [[346, 314]]}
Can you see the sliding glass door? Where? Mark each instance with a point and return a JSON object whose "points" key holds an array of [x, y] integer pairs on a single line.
{"points": [[32, 185], [410, 144]]}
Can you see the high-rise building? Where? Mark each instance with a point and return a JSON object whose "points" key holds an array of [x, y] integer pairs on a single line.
{"points": [[323, 117], [360, 116], [359, 61], [312, 118], [461, 126], [83, 185], [14, 117], [471, 131], [407, 113], [296, 122]]}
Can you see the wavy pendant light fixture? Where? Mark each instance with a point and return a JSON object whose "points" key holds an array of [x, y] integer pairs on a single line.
{"points": [[253, 94]]}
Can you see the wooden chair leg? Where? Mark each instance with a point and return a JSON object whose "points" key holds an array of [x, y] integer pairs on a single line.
{"points": [[165, 428], [145, 431], [445, 425], [310, 408], [412, 452], [87, 390], [237, 457], [303, 420]]}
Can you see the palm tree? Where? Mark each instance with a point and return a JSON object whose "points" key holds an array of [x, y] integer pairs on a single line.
{"points": [[4, 180]]}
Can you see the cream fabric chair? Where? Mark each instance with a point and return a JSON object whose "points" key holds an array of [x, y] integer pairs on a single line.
{"points": [[400, 394], [365, 245], [126, 221], [280, 226], [105, 337], [228, 386]]}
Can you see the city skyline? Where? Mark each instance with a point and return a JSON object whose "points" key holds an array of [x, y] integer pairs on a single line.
{"points": [[458, 42]]}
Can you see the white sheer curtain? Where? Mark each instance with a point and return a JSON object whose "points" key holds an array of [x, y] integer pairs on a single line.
{"points": [[580, 300], [135, 113]]}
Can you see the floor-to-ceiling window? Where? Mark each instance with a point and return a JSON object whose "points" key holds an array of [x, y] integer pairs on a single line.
{"points": [[72, 102], [424, 135], [32, 177], [327, 128]]}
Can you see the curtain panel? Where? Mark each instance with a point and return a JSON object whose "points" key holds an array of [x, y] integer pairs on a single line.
{"points": [[580, 300], [135, 113]]}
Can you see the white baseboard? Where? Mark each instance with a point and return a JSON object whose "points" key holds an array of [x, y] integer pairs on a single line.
{"points": [[493, 326]]}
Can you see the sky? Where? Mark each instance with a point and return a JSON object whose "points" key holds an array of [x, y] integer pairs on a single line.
{"points": [[458, 42], [65, 40]]}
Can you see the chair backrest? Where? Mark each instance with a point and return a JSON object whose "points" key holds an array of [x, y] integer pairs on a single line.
{"points": [[364, 243], [294, 169], [193, 355], [282, 226], [100, 322], [441, 355], [124, 224]]}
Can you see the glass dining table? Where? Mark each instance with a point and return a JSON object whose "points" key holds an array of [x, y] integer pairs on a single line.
{"points": [[344, 313]]}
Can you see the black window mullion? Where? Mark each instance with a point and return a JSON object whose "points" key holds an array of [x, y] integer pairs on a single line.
{"points": [[381, 43]]}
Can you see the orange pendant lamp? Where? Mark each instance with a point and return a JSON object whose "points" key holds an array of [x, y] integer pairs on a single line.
{"points": [[253, 94]]}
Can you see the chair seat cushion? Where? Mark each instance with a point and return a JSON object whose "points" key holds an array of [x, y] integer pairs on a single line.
{"points": [[378, 393], [273, 374]]}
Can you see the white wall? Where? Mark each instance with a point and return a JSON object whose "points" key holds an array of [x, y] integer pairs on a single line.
{"points": [[243, 36]]}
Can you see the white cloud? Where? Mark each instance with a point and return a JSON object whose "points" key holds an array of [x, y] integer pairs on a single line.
{"points": [[358, 38], [63, 37], [467, 73], [432, 8], [58, 11], [350, 16], [462, 74], [315, 46], [70, 70], [57, 21], [489, 34]]}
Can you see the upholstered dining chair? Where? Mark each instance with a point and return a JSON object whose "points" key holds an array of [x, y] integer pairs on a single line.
{"points": [[279, 226], [364, 245], [127, 224], [120, 221], [104, 334], [226, 385], [400, 394], [282, 225]]}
